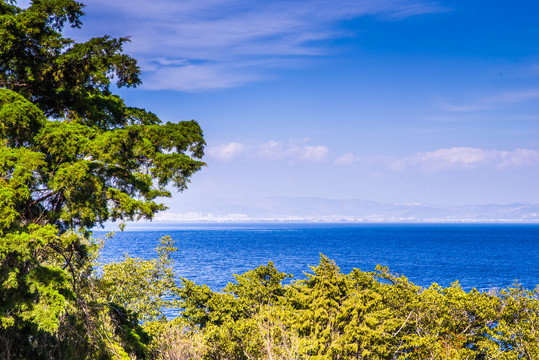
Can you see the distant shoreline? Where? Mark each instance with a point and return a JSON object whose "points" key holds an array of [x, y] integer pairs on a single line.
{"points": [[164, 226]]}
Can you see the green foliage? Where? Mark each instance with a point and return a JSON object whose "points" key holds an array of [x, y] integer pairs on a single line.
{"points": [[144, 287], [64, 78], [73, 156], [236, 323], [518, 327], [75, 176], [361, 315]]}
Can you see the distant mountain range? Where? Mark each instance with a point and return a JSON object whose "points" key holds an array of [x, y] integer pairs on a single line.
{"points": [[333, 210]]}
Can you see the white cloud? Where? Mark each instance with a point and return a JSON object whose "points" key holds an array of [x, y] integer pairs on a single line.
{"points": [[271, 150], [227, 43], [225, 152], [313, 153], [466, 158], [189, 77], [520, 157], [345, 160], [294, 150]]}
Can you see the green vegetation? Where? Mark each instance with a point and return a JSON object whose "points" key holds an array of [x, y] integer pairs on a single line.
{"points": [[73, 155], [329, 315], [361, 315]]}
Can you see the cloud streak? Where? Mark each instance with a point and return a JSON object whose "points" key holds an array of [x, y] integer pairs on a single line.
{"points": [[493, 102], [346, 160], [208, 44], [440, 160], [226, 152], [466, 158], [271, 150]]}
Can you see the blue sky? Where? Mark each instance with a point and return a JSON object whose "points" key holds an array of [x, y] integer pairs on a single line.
{"points": [[390, 100]]}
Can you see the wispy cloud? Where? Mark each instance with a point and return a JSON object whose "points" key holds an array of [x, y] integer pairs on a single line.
{"points": [[346, 160], [271, 150], [208, 44], [492, 102], [448, 159], [316, 153], [225, 152], [459, 158]]}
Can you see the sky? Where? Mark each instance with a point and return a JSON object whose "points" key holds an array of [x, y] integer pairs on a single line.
{"points": [[395, 101]]}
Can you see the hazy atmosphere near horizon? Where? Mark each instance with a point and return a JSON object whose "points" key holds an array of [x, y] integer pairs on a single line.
{"points": [[393, 102]]}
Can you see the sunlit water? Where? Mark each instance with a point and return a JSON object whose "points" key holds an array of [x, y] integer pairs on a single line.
{"points": [[479, 256]]}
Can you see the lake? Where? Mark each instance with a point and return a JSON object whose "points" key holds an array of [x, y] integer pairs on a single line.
{"points": [[482, 256]]}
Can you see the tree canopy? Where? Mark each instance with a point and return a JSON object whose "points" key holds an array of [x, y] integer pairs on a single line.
{"points": [[73, 155], [95, 159]]}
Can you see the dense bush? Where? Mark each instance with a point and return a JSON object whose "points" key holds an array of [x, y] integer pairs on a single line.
{"points": [[331, 315]]}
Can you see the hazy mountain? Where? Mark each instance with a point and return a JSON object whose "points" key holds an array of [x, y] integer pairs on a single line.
{"points": [[322, 209]]}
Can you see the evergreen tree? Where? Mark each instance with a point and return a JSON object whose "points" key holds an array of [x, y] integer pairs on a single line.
{"points": [[72, 156]]}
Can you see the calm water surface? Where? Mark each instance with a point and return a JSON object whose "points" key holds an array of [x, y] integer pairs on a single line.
{"points": [[479, 256]]}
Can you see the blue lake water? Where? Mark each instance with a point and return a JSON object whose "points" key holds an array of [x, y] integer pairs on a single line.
{"points": [[479, 256]]}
